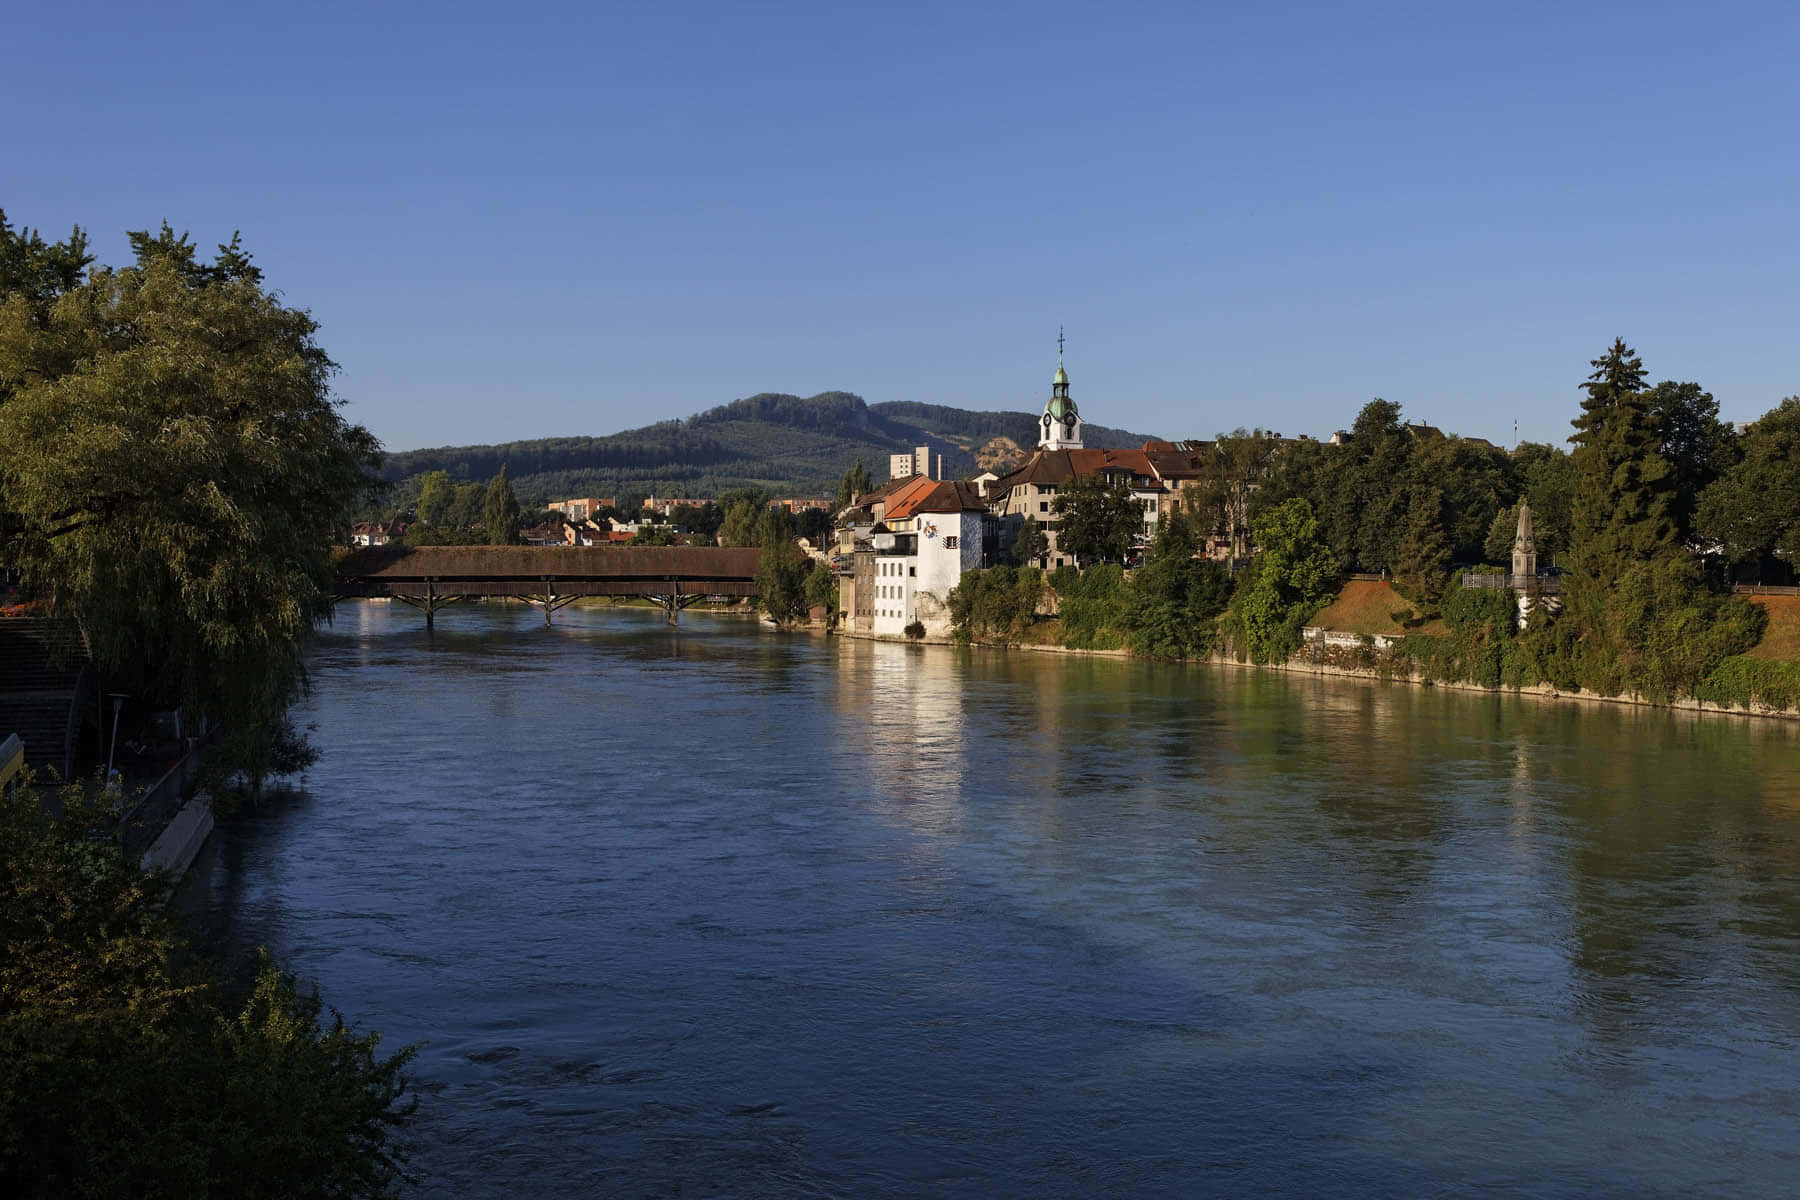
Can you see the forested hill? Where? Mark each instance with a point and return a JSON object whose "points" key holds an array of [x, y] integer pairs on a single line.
{"points": [[779, 442]]}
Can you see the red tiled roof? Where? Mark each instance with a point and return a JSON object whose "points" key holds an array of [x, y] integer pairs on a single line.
{"points": [[948, 495]]}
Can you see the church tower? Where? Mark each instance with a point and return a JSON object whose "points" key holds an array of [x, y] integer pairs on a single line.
{"points": [[1061, 423]]}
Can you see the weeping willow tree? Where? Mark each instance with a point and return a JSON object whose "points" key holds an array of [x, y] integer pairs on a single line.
{"points": [[176, 471]]}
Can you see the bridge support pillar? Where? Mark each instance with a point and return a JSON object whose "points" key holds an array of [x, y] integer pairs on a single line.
{"points": [[674, 600], [549, 600]]}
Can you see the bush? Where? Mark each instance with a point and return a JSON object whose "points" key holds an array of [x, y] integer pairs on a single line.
{"points": [[1740, 681], [1095, 607], [127, 1069], [916, 630]]}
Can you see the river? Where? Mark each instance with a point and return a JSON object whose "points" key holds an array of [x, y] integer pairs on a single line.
{"points": [[721, 911]]}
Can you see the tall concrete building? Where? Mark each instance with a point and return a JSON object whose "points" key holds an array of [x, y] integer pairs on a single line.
{"points": [[921, 461]]}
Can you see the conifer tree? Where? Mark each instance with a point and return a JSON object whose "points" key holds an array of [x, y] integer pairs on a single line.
{"points": [[500, 511], [1647, 621], [1423, 554]]}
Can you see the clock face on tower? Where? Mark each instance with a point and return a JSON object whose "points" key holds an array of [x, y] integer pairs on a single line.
{"points": [[1046, 424], [1069, 425]]}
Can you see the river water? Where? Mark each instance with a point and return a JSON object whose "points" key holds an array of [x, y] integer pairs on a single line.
{"points": [[725, 912]]}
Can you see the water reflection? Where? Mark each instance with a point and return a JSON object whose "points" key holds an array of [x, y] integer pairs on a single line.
{"points": [[717, 910]]}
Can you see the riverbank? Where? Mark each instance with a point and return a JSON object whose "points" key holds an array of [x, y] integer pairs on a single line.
{"points": [[1300, 664]]}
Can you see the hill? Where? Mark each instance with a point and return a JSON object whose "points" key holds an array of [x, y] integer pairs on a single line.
{"points": [[783, 443]]}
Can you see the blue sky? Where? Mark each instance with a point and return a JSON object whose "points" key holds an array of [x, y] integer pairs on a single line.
{"points": [[536, 220]]}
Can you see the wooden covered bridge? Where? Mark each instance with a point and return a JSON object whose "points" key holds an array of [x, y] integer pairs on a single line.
{"points": [[546, 577]]}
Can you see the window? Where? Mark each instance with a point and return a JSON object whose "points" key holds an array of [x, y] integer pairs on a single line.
{"points": [[912, 570], [950, 542], [1043, 506]]}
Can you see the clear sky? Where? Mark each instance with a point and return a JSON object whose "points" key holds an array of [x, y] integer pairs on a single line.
{"points": [[523, 220]]}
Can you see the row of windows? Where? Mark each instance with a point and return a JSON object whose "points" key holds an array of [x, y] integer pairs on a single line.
{"points": [[893, 568]]}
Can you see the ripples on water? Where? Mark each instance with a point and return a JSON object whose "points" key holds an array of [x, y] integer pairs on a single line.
{"points": [[726, 912]]}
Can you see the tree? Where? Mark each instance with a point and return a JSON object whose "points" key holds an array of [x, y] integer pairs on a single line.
{"points": [[1176, 598], [1293, 573], [127, 1069], [177, 473], [1647, 621], [1753, 509], [1239, 463], [855, 483], [1422, 558], [437, 496], [653, 535], [813, 524], [739, 527], [500, 511], [1546, 477], [822, 587], [1099, 522], [1502, 532], [781, 572], [1696, 444], [1030, 546]]}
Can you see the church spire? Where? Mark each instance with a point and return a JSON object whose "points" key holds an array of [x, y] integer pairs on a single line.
{"points": [[1061, 423]]}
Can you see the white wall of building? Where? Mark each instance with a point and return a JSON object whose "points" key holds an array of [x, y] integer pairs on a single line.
{"points": [[949, 544], [896, 578]]}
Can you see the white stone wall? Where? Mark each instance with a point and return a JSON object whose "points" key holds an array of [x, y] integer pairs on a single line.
{"points": [[941, 565], [896, 580]]}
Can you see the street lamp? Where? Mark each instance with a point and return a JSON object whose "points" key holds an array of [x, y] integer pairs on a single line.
{"points": [[118, 699]]}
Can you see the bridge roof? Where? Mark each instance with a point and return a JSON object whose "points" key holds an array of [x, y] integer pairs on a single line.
{"points": [[540, 562]]}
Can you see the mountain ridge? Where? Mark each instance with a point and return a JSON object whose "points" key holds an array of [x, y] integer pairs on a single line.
{"points": [[773, 440]]}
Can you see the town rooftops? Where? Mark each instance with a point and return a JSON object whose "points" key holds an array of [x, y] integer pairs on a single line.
{"points": [[1060, 466], [946, 495]]}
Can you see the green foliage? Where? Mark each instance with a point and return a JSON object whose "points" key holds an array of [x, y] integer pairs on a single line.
{"points": [[1647, 622], [1176, 599], [739, 526], [1285, 584], [1095, 605], [1422, 556], [1546, 476], [1497, 546], [698, 518], [915, 630], [500, 511], [1363, 492], [1696, 444], [437, 494], [1098, 522], [995, 604], [1753, 508], [126, 1069], [1741, 681], [855, 483], [1031, 544], [1237, 466], [653, 535], [781, 575], [822, 587], [177, 473]]}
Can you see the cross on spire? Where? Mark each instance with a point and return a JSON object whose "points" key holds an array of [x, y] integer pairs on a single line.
{"points": [[1059, 345]]}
